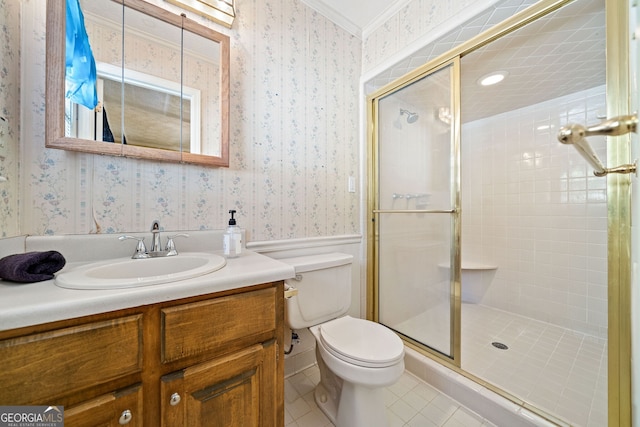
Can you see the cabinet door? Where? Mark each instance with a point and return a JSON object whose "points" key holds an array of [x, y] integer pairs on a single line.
{"points": [[53, 365], [111, 410], [232, 391]]}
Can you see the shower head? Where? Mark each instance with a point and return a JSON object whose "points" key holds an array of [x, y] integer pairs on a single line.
{"points": [[411, 117]]}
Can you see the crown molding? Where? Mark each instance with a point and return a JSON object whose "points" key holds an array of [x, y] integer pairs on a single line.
{"points": [[379, 20], [334, 16]]}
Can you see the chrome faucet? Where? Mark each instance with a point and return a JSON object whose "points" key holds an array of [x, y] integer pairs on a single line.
{"points": [[156, 246], [141, 250], [155, 230]]}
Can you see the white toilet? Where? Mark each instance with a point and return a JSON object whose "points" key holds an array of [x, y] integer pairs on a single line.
{"points": [[357, 358]]}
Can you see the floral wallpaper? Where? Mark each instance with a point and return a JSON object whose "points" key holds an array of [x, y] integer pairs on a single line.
{"points": [[294, 141], [9, 115]]}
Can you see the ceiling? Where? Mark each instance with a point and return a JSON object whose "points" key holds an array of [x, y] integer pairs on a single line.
{"points": [[557, 55]]}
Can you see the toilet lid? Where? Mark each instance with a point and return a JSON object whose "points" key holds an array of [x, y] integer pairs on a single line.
{"points": [[362, 342]]}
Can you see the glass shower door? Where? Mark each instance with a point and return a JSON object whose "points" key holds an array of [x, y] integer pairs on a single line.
{"points": [[416, 215]]}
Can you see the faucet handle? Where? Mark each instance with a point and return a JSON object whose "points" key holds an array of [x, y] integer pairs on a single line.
{"points": [[171, 246], [141, 250]]}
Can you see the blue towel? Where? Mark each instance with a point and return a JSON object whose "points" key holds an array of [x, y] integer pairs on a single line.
{"points": [[31, 266], [80, 79]]}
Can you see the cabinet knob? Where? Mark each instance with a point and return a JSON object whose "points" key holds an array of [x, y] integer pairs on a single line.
{"points": [[175, 399], [125, 417]]}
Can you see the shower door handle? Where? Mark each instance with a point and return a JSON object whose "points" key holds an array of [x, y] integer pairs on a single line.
{"points": [[575, 135], [615, 126]]}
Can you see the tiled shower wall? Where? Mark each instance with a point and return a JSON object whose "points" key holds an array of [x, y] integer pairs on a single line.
{"points": [[294, 141], [532, 206]]}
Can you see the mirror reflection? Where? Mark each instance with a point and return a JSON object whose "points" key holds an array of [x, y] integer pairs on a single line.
{"points": [[147, 99], [197, 71], [158, 89]]}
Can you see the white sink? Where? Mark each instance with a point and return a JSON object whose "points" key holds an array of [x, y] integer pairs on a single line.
{"points": [[131, 273]]}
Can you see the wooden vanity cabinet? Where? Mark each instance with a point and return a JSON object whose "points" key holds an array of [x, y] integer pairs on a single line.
{"points": [[214, 360], [229, 354], [122, 407]]}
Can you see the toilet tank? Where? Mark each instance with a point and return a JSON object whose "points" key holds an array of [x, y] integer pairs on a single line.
{"points": [[323, 282]]}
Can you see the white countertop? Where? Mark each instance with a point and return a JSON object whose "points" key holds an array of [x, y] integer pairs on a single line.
{"points": [[36, 303]]}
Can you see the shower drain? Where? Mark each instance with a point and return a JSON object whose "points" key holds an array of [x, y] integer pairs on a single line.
{"points": [[500, 345]]}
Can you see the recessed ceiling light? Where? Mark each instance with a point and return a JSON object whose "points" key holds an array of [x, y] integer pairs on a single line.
{"points": [[492, 78]]}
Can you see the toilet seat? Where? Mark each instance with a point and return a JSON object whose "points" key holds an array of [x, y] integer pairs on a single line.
{"points": [[361, 342]]}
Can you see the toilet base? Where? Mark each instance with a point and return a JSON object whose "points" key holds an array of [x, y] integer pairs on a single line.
{"points": [[347, 404], [327, 392], [354, 413], [328, 406], [361, 407]]}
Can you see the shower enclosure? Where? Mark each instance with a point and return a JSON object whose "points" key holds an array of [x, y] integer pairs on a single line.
{"points": [[488, 238]]}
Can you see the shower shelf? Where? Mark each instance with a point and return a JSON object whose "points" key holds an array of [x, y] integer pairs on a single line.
{"points": [[478, 266], [471, 265]]}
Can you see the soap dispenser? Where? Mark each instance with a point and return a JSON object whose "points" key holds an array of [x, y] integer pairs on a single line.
{"points": [[232, 243]]}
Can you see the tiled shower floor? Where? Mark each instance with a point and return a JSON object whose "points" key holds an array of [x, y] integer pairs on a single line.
{"points": [[559, 370]]}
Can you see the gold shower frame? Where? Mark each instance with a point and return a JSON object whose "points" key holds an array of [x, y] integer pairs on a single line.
{"points": [[618, 86]]}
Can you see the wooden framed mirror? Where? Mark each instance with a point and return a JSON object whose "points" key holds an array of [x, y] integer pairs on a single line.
{"points": [[162, 83]]}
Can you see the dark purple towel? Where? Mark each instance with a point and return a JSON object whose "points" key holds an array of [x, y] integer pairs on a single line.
{"points": [[31, 266]]}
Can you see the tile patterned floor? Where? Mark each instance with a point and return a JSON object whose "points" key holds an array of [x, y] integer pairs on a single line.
{"points": [[410, 403], [555, 369], [561, 371]]}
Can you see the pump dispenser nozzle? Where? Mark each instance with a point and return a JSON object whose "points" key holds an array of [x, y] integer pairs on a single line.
{"points": [[232, 221]]}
